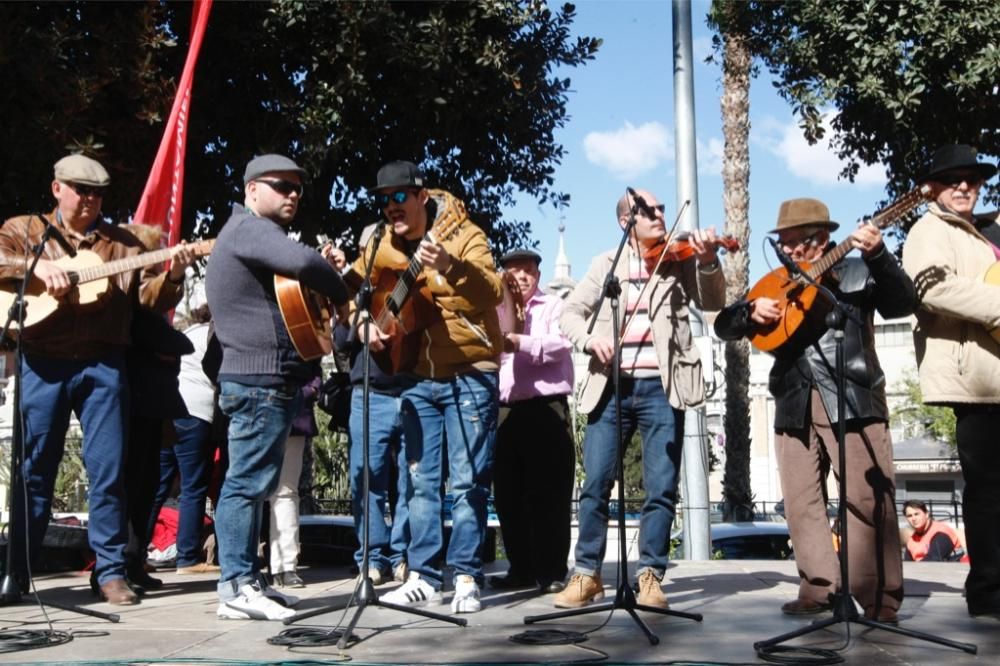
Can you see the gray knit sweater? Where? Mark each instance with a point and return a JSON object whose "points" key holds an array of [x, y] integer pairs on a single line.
{"points": [[239, 284]]}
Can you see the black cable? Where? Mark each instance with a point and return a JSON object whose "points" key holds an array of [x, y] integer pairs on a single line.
{"points": [[548, 637], [16, 640], [307, 637], [791, 654]]}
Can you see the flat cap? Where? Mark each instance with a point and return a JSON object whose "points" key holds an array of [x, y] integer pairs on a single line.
{"points": [[270, 163], [522, 254], [81, 169]]}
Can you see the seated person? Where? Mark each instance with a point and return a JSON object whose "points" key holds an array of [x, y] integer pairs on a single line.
{"points": [[931, 541]]}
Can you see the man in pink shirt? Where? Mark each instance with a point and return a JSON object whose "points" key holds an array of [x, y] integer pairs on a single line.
{"points": [[535, 454]]}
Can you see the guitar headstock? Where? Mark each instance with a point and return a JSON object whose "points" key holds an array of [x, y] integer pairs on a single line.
{"points": [[901, 206], [450, 215]]}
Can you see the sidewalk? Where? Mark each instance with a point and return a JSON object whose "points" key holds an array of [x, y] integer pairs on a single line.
{"points": [[738, 599]]}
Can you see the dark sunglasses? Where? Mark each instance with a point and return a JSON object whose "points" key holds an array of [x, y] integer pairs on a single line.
{"points": [[811, 239], [970, 178], [659, 207], [398, 197], [86, 190], [282, 187]]}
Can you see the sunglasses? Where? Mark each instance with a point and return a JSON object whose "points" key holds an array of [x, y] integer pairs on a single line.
{"points": [[398, 197], [970, 178], [811, 239], [659, 207], [86, 190], [282, 187]]}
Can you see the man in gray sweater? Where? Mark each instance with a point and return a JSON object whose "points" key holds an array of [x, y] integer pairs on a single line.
{"points": [[261, 372]]}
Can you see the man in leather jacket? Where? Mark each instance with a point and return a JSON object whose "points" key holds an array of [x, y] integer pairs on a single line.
{"points": [[803, 383], [74, 361]]}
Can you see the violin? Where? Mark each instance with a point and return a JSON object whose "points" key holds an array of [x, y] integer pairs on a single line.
{"points": [[679, 250]]}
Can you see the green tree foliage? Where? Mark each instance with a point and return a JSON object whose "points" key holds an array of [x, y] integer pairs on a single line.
{"points": [[903, 77], [918, 418], [467, 89]]}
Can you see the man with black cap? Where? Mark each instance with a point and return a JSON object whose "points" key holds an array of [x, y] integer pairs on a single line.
{"points": [[74, 361], [452, 393], [535, 455], [947, 253], [261, 373], [803, 383]]}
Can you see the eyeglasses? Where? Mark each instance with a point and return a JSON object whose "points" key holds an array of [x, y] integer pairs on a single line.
{"points": [[659, 207], [398, 197], [970, 178], [811, 239], [282, 187], [86, 190]]}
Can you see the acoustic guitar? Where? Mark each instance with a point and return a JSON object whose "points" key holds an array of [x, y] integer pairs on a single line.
{"points": [[307, 315], [992, 276], [802, 307], [402, 306], [89, 275]]}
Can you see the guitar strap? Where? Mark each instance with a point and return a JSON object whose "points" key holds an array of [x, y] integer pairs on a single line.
{"points": [[991, 231]]}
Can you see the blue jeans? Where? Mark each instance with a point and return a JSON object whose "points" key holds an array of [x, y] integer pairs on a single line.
{"points": [[644, 406], [460, 413], [386, 549], [191, 457], [260, 419], [97, 391]]}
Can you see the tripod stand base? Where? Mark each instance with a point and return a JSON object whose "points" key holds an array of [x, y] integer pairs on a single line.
{"points": [[10, 591], [364, 596], [625, 600], [851, 616]]}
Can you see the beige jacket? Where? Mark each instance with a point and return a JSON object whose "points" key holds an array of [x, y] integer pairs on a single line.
{"points": [[668, 299], [959, 361]]}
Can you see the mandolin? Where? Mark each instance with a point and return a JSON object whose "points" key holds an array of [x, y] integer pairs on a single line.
{"points": [[89, 275], [801, 309]]}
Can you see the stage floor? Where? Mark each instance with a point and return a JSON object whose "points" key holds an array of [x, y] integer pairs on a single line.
{"points": [[739, 600]]}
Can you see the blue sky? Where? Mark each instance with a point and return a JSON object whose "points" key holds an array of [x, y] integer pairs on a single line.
{"points": [[621, 133]]}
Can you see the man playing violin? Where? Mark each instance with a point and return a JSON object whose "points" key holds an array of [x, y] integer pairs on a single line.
{"points": [[947, 253], [74, 361], [535, 456], [803, 383], [661, 376], [451, 397]]}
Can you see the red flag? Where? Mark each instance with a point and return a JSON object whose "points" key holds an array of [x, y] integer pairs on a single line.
{"points": [[162, 197]]}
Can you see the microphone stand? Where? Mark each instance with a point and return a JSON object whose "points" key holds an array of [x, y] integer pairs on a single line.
{"points": [[625, 595], [10, 589], [364, 594], [844, 609]]}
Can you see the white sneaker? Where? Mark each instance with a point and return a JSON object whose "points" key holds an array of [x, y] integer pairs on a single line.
{"points": [[414, 592], [252, 604], [401, 572], [466, 599], [376, 575], [279, 597]]}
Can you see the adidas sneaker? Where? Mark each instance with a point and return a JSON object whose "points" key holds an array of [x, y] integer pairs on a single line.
{"points": [[252, 604], [414, 592], [466, 599]]}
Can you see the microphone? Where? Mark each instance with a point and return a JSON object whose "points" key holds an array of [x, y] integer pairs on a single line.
{"points": [[786, 261], [55, 234], [641, 204]]}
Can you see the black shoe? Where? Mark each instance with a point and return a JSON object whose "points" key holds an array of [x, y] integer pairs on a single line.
{"points": [[288, 579], [988, 604], [141, 577], [555, 587], [510, 582]]}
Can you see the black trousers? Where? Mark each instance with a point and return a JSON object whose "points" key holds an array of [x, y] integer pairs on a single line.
{"points": [[533, 472], [976, 431]]}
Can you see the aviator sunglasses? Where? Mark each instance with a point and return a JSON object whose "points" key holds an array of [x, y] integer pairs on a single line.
{"points": [[398, 197], [86, 190], [283, 187]]}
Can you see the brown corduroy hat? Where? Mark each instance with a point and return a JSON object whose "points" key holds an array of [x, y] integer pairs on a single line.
{"points": [[803, 213]]}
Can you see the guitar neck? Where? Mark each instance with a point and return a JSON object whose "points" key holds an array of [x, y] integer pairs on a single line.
{"points": [[881, 219], [91, 273]]}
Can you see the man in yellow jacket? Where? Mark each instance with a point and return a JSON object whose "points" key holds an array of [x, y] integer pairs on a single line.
{"points": [[947, 253], [451, 395]]}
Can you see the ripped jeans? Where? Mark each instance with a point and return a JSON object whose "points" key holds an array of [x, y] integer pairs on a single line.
{"points": [[453, 420]]}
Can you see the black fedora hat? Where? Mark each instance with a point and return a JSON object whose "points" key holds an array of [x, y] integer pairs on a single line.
{"points": [[956, 157]]}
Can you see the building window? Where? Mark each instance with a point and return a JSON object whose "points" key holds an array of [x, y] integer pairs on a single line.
{"points": [[893, 335], [941, 490]]}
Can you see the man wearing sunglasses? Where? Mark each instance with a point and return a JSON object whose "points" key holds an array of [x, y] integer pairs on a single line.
{"points": [[261, 375], [74, 361], [660, 376], [451, 399], [803, 383], [947, 253]]}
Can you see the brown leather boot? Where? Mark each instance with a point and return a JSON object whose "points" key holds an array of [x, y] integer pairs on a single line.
{"points": [[650, 592], [118, 593], [580, 591]]}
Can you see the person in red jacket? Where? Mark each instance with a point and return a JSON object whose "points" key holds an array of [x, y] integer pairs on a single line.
{"points": [[931, 540]]}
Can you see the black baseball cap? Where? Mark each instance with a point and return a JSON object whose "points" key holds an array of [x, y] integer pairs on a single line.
{"points": [[399, 174]]}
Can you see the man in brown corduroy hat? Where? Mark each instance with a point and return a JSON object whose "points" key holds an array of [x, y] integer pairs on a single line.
{"points": [[803, 383]]}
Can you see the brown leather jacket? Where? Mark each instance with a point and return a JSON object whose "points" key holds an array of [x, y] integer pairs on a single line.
{"points": [[84, 331]]}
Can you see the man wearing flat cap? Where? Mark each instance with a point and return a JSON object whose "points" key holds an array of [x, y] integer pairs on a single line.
{"points": [[535, 455], [74, 360], [804, 387], [451, 398], [262, 374], [947, 253]]}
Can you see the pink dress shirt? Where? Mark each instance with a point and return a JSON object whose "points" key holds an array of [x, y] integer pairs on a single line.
{"points": [[544, 364]]}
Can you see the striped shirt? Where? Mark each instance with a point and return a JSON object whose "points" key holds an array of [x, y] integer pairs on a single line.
{"points": [[638, 353]]}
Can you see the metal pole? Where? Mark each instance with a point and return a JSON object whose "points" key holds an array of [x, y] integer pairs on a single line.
{"points": [[697, 537]]}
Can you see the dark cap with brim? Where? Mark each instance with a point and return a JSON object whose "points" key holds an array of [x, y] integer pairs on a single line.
{"points": [[957, 157], [398, 174], [521, 255], [270, 163]]}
